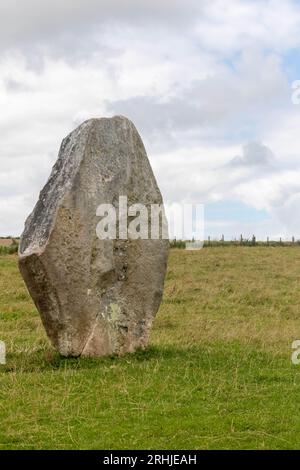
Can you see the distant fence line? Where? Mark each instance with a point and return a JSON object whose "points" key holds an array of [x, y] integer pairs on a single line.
{"points": [[13, 247], [241, 241]]}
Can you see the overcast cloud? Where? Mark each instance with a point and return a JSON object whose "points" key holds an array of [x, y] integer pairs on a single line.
{"points": [[207, 84]]}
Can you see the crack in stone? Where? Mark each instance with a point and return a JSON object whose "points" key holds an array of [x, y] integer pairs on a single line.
{"points": [[91, 334]]}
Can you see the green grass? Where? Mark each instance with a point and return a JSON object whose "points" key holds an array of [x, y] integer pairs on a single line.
{"points": [[217, 374], [9, 250]]}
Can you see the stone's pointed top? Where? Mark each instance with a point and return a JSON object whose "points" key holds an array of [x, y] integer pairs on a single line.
{"points": [[94, 121], [95, 296], [104, 136]]}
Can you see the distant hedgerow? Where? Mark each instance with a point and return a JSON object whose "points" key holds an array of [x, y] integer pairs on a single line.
{"points": [[9, 250], [177, 243]]}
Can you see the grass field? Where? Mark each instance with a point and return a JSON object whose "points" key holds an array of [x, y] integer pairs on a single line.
{"points": [[5, 241], [217, 374]]}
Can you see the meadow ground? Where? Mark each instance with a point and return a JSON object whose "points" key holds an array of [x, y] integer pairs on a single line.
{"points": [[5, 241], [217, 374]]}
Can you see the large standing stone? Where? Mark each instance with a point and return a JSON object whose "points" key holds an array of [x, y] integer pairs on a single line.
{"points": [[95, 296]]}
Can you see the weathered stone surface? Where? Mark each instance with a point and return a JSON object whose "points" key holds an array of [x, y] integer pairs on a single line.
{"points": [[95, 297]]}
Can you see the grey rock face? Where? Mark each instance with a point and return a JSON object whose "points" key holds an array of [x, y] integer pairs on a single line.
{"points": [[95, 296]]}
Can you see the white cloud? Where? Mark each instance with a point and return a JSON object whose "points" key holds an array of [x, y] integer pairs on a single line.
{"points": [[234, 25], [199, 79]]}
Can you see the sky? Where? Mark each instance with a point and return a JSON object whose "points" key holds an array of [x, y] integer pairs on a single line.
{"points": [[210, 85]]}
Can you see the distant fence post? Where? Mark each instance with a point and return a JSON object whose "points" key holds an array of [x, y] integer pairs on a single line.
{"points": [[2, 353], [293, 240], [208, 240], [241, 239], [268, 241]]}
